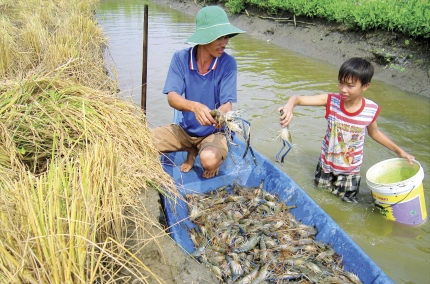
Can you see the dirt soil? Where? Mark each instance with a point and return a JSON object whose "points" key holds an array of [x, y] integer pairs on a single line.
{"points": [[316, 39]]}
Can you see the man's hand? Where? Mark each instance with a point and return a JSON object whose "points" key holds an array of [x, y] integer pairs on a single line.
{"points": [[203, 116]]}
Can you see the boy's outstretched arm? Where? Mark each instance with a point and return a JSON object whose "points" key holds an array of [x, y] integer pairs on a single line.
{"points": [[285, 119], [383, 139]]}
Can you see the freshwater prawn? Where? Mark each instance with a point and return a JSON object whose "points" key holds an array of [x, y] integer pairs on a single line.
{"points": [[286, 142], [265, 244], [233, 123]]}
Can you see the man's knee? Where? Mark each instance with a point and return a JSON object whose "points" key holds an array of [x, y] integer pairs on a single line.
{"points": [[210, 157]]}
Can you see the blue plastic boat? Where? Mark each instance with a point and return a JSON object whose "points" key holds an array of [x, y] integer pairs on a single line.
{"points": [[250, 172]]}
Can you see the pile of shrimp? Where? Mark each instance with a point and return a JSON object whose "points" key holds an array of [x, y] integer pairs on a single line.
{"points": [[246, 236]]}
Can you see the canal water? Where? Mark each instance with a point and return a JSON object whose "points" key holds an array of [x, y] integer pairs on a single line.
{"points": [[268, 75]]}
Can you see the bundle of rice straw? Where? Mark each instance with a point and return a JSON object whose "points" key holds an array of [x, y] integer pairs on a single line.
{"points": [[74, 158]]}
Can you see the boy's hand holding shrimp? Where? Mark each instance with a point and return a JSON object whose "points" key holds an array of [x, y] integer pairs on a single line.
{"points": [[286, 115]]}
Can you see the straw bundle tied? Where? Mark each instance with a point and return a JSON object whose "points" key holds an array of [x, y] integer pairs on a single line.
{"points": [[75, 160]]}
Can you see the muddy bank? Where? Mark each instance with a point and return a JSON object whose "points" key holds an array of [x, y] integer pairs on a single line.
{"points": [[399, 61]]}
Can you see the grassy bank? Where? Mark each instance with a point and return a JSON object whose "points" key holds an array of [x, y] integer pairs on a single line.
{"points": [[411, 17], [74, 159]]}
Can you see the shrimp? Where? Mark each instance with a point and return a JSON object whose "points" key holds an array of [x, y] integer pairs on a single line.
{"points": [[233, 123], [249, 245], [199, 251], [250, 276], [235, 267], [286, 141], [351, 276], [261, 275], [239, 237]]}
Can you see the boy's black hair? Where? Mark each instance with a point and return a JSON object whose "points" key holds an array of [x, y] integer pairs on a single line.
{"points": [[356, 68]]}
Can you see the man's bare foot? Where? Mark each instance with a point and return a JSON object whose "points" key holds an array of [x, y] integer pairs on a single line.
{"points": [[189, 163], [185, 167], [210, 174]]}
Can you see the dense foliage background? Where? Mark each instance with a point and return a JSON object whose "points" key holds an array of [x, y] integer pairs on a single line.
{"points": [[409, 17]]}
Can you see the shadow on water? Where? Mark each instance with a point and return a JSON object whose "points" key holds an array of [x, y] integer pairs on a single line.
{"points": [[268, 76]]}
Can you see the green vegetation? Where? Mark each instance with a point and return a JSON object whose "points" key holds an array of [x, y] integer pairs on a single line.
{"points": [[409, 17], [75, 160]]}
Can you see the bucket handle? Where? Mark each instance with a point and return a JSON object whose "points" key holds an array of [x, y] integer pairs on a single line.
{"points": [[391, 205]]}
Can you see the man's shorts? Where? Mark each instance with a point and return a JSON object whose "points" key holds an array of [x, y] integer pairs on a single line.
{"points": [[344, 186], [172, 138]]}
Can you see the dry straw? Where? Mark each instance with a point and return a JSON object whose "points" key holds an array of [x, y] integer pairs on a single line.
{"points": [[74, 158], [44, 35]]}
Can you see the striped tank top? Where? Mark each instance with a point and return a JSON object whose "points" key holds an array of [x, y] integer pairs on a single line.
{"points": [[342, 147]]}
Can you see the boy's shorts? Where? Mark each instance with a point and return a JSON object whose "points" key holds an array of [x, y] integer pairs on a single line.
{"points": [[344, 186], [172, 138]]}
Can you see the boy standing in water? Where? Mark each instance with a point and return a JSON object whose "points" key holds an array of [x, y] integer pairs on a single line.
{"points": [[349, 114]]}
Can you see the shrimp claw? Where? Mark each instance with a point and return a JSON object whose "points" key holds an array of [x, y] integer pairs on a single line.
{"points": [[286, 142], [279, 158], [246, 126]]}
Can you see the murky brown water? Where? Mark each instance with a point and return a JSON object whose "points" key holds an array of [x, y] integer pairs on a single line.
{"points": [[268, 75]]}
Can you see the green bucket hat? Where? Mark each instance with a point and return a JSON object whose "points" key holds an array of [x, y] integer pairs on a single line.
{"points": [[211, 23]]}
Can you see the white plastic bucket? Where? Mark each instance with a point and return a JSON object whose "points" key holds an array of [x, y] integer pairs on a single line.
{"points": [[397, 190]]}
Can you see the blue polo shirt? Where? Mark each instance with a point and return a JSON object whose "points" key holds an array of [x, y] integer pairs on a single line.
{"points": [[216, 87]]}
